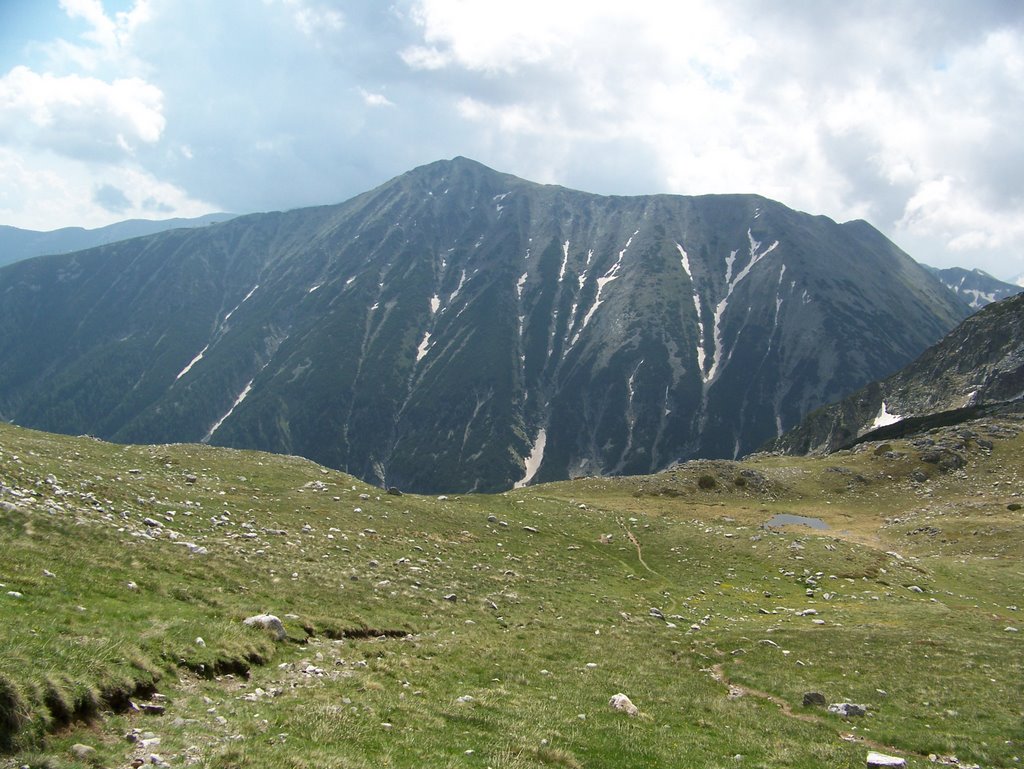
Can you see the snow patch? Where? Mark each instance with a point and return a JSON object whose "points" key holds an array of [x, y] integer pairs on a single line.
{"points": [[350, 281], [701, 354], [435, 303], [424, 347], [884, 418], [458, 288], [232, 312], [565, 261], [756, 255], [604, 280], [314, 288], [533, 461], [241, 397], [519, 285], [191, 363]]}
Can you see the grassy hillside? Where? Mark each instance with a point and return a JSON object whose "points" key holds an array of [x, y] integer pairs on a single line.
{"points": [[491, 631]]}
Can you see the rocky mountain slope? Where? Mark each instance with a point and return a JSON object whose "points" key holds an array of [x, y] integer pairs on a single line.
{"points": [[17, 244], [459, 328], [976, 287], [979, 364]]}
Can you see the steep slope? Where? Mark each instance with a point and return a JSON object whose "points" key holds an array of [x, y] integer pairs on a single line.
{"points": [[976, 287], [17, 244], [980, 363], [441, 330]]}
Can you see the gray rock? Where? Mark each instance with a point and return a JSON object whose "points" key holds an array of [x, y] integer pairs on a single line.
{"points": [[879, 760], [267, 622], [848, 709], [814, 699], [83, 752]]}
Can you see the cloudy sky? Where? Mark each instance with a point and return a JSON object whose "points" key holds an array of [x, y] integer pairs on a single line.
{"points": [[907, 113]]}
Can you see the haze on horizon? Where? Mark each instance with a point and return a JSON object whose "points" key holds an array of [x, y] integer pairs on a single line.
{"points": [[905, 114]]}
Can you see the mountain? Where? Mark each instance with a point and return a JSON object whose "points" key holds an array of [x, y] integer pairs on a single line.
{"points": [[976, 287], [17, 244], [462, 329], [980, 364]]}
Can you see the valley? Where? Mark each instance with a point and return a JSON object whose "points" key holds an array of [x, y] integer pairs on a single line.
{"points": [[492, 630]]}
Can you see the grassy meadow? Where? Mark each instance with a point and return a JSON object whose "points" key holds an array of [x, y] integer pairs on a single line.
{"points": [[491, 631]]}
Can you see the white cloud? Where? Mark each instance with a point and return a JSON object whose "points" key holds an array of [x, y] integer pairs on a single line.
{"points": [[108, 38], [859, 111], [79, 116], [375, 99], [42, 192]]}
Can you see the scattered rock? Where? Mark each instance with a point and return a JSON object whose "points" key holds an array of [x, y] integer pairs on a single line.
{"points": [[878, 760], [83, 752], [530, 529], [1013, 506], [267, 622], [814, 699], [622, 703], [848, 709], [914, 589], [394, 491]]}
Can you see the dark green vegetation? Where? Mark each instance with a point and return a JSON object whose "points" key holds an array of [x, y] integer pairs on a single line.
{"points": [[977, 368], [482, 631], [423, 334]]}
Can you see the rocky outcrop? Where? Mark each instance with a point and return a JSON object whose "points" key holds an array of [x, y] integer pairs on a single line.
{"points": [[975, 369]]}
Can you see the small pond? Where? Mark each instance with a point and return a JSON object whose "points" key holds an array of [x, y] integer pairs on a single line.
{"points": [[785, 519]]}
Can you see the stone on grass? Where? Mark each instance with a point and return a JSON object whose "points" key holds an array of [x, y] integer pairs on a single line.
{"points": [[268, 622], [878, 760], [815, 698], [623, 704], [83, 752], [847, 709]]}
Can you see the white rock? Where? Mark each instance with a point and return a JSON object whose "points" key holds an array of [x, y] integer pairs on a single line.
{"points": [[881, 760], [623, 704], [269, 623]]}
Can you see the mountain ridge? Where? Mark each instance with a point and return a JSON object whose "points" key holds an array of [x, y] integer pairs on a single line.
{"points": [[632, 331], [17, 243], [977, 367]]}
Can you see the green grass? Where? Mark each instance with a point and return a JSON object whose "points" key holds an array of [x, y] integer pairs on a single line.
{"points": [[430, 632]]}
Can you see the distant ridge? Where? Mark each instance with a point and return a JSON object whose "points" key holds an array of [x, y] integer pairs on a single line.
{"points": [[17, 244], [975, 287]]}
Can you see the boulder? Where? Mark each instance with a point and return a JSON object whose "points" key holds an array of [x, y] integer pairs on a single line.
{"points": [[847, 709], [878, 760], [83, 752], [267, 622], [623, 704], [816, 699]]}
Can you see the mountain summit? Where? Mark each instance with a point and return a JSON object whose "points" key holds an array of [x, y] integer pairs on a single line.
{"points": [[462, 329]]}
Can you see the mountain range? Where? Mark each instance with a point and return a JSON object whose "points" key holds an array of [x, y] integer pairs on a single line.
{"points": [[461, 329], [17, 244], [976, 287]]}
